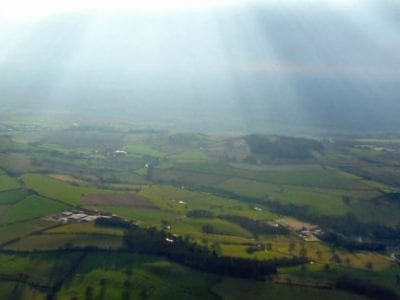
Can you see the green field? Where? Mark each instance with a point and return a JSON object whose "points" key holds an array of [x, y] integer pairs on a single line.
{"points": [[86, 228], [8, 183], [57, 189], [32, 207], [231, 289], [12, 196], [55, 241], [212, 191], [136, 277]]}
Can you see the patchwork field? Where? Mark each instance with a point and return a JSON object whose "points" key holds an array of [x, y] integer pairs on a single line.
{"points": [[65, 217], [30, 208], [57, 189]]}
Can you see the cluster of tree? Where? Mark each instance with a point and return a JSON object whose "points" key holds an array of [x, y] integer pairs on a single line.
{"points": [[283, 147], [114, 222], [52, 295], [347, 225], [187, 252], [393, 197], [256, 227], [350, 243], [258, 247], [365, 288], [200, 213], [208, 229]]}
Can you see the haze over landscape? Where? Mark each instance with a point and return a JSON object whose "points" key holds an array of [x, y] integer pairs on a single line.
{"points": [[200, 150], [301, 67]]}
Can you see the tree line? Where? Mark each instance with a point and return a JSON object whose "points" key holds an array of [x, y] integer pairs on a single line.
{"points": [[185, 251], [365, 288], [347, 225]]}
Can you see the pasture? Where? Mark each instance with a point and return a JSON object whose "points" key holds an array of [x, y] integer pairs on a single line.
{"points": [[78, 168], [12, 196], [136, 277], [58, 189], [32, 207], [233, 289], [8, 183], [86, 227], [54, 241]]}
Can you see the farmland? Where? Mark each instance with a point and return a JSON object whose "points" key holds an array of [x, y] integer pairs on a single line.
{"points": [[224, 194]]}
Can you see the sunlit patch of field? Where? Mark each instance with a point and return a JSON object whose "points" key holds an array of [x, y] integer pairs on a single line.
{"points": [[143, 149], [240, 251], [321, 253], [67, 178], [180, 201], [319, 200], [188, 226], [219, 239], [295, 224], [367, 261], [126, 199], [312, 176], [145, 217]]}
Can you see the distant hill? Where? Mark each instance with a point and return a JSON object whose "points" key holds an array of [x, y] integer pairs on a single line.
{"points": [[283, 147]]}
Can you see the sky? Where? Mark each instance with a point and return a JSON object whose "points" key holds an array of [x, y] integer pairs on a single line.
{"points": [[21, 10], [241, 65]]}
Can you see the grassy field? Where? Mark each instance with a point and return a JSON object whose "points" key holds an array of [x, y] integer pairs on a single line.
{"points": [[58, 189], [32, 207], [86, 228], [311, 176], [16, 290], [8, 183], [12, 196], [223, 231], [143, 149], [77, 168], [180, 200], [21, 229], [136, 277], [146, 217], [326, 201], [55, 241], [43, 269], [16, 163], [386, 278], [232, 289]]}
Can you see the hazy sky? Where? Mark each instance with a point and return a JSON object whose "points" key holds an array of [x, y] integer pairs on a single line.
{"points": [[251, 63], [18, 10]]}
